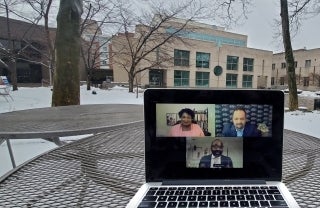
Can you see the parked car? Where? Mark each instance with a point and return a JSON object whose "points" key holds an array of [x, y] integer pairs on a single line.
{"points": [[287, 91]]}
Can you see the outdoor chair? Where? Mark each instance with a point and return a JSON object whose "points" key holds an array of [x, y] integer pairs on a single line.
{"points": [[5, 88]]}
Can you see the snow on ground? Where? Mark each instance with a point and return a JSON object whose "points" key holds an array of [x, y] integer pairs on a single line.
{"points": [[39, 97]]}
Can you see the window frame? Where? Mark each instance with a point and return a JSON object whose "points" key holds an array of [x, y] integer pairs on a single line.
{"points": [[246, 82], [202, 79], [181, 57], [202, 63], [307, 63], [231, 65], [248, 66], [232, 81], [181, 79]]}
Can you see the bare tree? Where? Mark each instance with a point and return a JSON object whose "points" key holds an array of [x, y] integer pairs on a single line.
{"points": [[291, 22], [42, 10], [21, 46], [315, 78], [66, 88], [96, 18], [293, 96], [10, 48], [144, 45]]}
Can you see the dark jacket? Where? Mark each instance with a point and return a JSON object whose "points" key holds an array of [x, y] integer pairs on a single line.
{"points": [[205, 162], [250, 130]]}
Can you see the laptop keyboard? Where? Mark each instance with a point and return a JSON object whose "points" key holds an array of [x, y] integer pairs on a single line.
{"points": [[213, 196]]}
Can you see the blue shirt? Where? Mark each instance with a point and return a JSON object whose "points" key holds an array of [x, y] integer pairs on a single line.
{"points": [[239, 132]]}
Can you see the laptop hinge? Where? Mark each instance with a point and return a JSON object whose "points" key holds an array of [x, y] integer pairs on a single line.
{"points": [[213, 182]]}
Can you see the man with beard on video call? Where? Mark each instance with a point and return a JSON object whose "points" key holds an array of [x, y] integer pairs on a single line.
{"points": [[239, 126], [216, 159]]}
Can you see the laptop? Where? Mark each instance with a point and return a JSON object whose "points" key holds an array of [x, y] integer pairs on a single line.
{"points": [[213, 148]]}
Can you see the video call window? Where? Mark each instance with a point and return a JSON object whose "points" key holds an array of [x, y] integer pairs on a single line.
{"points": [[214, 152], [213, 120]]}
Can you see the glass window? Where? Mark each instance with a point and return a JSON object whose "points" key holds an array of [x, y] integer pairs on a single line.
{"points": [[248, 64], [247, 81], [308, 63], [295, 64], [306, 81], [202, 79], [181, 57], [231, 81], [283, 65], [273, 66], [202, 60], [281, 80], [181, 78], [272, 80], [232, 62]]}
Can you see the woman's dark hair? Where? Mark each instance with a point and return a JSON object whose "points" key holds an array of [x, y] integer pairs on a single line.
{"points": [[187, 111]]}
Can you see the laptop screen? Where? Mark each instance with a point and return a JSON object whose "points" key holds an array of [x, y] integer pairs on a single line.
{"points": [[213, 134]]}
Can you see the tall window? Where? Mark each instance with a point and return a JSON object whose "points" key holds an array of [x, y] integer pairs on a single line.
{"points": [[273, 66], [202, 60], [306, 81], [272, 80], [232, 62], [181, 57], [281, 80], [283, 65], [247, 81], [295, 64], [181, 78], [248, 64], [202, 79], [231, 81], [308, 63]]}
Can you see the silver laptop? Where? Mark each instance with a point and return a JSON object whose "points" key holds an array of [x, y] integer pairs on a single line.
{"points": [[213, 148]]}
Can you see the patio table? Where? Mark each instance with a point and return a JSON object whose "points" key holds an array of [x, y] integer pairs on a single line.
{"points": [[106, 169]]}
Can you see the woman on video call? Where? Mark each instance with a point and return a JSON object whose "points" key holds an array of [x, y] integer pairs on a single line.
{"points": [[186, 127]]}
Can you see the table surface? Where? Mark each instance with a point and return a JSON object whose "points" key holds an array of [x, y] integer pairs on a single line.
{"points": [[106, 170], [67, 120]]}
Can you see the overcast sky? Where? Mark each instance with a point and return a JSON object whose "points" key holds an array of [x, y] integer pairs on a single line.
{"points": [[260, 28]]}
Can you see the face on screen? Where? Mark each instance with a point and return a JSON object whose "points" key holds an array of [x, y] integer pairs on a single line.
{"points": [[214, 152], [214, 132], [213, 120]]}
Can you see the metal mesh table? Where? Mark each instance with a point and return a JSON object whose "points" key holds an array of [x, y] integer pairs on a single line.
{"points": [[106, 170]]}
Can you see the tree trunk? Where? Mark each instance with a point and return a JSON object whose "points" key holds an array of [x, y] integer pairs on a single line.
{"points": [[89, 80], [66, 88], [51, 61], [12, 65], [131, 81], [12, 59], [293, 96]]}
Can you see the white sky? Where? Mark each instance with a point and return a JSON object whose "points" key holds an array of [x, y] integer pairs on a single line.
{"points": [[260, 28]]}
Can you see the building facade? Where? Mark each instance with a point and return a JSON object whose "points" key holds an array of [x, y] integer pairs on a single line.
{"points": [[95, 55], [30, 50], [201, 56], [307, 69]]}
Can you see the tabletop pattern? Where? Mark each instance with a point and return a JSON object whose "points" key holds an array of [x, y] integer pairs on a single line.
{"points": [[106, 170]]}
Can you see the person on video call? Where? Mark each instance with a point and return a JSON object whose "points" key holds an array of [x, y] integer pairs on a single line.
{"points": [[239, 127], [187, 126], [216, 159]]}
